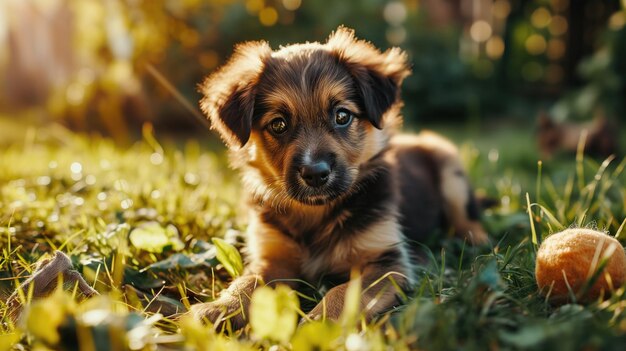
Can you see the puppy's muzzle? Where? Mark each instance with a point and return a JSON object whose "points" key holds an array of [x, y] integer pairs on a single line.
{"points": [[315, 174]]}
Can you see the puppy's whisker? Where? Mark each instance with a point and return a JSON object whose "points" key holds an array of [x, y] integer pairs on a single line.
{"points": [[274, 193]]}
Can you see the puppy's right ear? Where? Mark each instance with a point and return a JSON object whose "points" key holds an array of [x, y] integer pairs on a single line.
{"points": [[229, 93], [378, 75]]}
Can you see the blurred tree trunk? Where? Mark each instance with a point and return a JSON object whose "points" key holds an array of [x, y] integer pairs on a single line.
{"points": [[40, 51]]}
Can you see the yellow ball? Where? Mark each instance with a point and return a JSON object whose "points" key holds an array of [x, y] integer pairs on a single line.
{"points": [[572, 257]]}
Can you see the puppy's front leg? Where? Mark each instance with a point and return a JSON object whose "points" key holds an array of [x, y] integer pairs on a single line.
{"points": [[274, 259], [232, 304], [379, 293]]}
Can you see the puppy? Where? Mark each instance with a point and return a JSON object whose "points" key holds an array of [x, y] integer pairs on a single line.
{"points": [[331, 189], [601, 136]]}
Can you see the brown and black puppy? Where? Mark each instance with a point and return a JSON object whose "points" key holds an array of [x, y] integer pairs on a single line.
{"points": [[600, 136], [310, 127]]}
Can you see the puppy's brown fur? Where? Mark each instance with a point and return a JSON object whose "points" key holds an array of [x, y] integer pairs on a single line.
{"points": [[601, 139], [379, 190]]}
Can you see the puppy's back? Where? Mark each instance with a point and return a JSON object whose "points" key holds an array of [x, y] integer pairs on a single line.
{"points": [[417, 179], [433, 191]]}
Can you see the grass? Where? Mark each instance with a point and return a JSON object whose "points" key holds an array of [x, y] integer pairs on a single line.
{"points": [[145, 216]]}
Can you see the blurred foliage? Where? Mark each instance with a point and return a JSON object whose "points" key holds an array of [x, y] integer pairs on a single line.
{"points": [[93, 67], [604, 73]]}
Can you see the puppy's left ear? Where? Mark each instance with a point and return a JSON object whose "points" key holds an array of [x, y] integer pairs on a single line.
{"points": [[378, 75], [229, 93]]}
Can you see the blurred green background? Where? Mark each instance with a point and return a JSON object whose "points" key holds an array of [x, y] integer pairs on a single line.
{"points": [[92, 64]]}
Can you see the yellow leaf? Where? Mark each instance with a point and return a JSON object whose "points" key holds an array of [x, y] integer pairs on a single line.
{"points": [[273, 313], [8, 340], [153, 237], [45, 316], [316, 335], [229, 257], [197, 335]]}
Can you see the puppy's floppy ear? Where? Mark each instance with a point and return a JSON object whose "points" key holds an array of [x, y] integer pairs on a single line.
{"points": [[229, 93], [378, 75]]}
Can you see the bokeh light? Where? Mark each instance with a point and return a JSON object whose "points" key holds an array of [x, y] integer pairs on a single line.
{"points": [[535, 44], [556, 49], [75, 93], [292, 5], [501, 9], [209, 59], [480, 31], [494, 47], [396, 35], [254, 6], [268, 16], [540, 18], [558, 25], [617, 20], [560, 5], [395, 13]]}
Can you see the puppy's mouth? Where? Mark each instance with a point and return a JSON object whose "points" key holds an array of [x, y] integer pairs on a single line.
{"points": [[335, 186]]}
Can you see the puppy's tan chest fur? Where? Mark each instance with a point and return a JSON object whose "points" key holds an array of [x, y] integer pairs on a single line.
{"points": [[321, 243], [353, 251]]}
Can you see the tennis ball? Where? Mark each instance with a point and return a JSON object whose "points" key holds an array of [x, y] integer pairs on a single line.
{"points": [[572, 257]]}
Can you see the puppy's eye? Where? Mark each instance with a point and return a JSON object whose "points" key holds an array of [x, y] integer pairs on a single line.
{"points": [[278, 126], [343, 117]]}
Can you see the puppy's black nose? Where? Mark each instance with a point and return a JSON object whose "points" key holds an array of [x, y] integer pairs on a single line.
{"points": [[315, 174]]}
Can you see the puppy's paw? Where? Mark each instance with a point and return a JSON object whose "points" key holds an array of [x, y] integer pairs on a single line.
{"points": [[220, 313], [477, 235], [310, 317], [328, 312]]}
